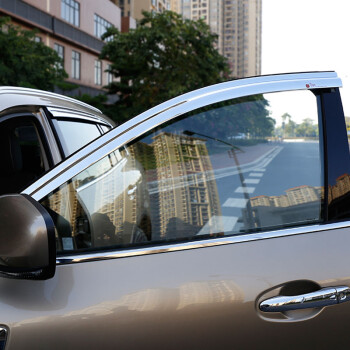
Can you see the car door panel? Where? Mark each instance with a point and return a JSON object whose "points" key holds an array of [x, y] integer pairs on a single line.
{"points": [[199, 294], [203, 297]]}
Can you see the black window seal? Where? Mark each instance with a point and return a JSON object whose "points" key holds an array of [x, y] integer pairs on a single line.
{"points": [[336, 153]]}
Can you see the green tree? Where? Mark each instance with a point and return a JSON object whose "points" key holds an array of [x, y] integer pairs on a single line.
{"points": [[165, 56], [289, 128], [307, 128], [25, 62]]}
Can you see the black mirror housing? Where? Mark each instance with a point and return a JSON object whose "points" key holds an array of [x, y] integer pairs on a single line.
{"points": [[27, 239]]}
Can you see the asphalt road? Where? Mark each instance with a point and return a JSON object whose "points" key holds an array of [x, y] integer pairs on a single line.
{"points": [[284, 166]]}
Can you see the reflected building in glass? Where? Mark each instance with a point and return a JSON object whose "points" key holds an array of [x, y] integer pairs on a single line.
{"points": [[185, 195], [299, 204], [164, 189]]}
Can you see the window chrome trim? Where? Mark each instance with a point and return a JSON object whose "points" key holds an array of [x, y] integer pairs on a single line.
{"points": [[206, 243], [170, 110], [73, 114]]}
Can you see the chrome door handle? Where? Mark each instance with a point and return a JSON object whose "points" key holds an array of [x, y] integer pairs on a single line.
{"points": [[321, 298]]}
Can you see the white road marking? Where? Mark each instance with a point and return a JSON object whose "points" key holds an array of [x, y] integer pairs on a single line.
{"points": [[251, 181], [219, 224], [235, 202], [245, 189], [258, 170], [256, 174]]}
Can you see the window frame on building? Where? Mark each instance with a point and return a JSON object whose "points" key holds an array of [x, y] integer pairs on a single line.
{"points": [[76, 65], [60, 52], [109, 74], [100, 26], [70, 11], [98, 72]]}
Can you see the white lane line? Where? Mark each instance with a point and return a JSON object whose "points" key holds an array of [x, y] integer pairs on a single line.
{"points": [[235, 202], [245, 189], [252, 181], [219, 224], [256, 174], [259, 170]]}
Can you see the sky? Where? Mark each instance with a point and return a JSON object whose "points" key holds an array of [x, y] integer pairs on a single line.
{"points": [[306, 35]]}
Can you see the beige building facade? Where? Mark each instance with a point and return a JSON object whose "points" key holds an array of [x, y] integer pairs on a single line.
{"points": [[73, 28], [134, 8], [238, 25]]}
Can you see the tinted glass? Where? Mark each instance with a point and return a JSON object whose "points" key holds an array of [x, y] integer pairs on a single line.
{"points": [[74, 135], [226, 169], [22, 156]]}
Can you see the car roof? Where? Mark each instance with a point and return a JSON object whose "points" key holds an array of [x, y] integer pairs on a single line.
{"points": [[17, 96], [11, 96]]}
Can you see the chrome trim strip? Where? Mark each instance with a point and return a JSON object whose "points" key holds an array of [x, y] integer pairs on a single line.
{"points": [[175, 247], [44, 94], [170, 110], [69, 113]]}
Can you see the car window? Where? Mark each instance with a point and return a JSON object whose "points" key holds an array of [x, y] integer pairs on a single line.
{"points": [[74, 135], [105, 128], [225, 169], [23, 159]]}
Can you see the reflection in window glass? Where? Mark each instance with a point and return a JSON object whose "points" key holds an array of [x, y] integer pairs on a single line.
{"points": [[70, 11], [225, 169], [68, 131]]}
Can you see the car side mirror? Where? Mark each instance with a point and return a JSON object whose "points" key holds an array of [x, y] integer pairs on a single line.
{"points": [[27, 239]]}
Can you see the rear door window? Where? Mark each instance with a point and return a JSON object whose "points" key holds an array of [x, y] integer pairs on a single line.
{"points": [[74, 135]]}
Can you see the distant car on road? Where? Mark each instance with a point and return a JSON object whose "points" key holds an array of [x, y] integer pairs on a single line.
{"points": [[167, 232]]}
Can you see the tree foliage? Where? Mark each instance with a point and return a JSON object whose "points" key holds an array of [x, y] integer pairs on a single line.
{"points": [[25, 62], [165, 56], [292, 129], [242, 120]]}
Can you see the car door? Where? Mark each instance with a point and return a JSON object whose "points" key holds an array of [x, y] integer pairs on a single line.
{"points": [[177, 228]]}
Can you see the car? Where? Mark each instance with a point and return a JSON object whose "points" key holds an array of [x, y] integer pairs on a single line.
{"points": [[39, 130], [166, 232]]}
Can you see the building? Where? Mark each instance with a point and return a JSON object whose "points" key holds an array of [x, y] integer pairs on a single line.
{"points": [[73, 28], [238, 25], [210, 11], [134, 8]]}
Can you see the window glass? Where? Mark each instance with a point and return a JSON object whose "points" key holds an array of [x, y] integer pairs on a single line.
{"points": [[60, 51], [22, 155], [70, 11], [105, 128], [75, 65], [101, 26], [236, 167], [68, 131], [98, 72]]}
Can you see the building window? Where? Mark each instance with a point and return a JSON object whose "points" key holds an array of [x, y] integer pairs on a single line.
{"points": [[37, 39], [101, 26], [70, 11], [75, 65], [60, 52], [98, 72], [109, 74]]}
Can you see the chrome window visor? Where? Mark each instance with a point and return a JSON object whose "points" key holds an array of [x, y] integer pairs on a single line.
{"points": [[169, 110], [214, 242], [66, 113]]}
